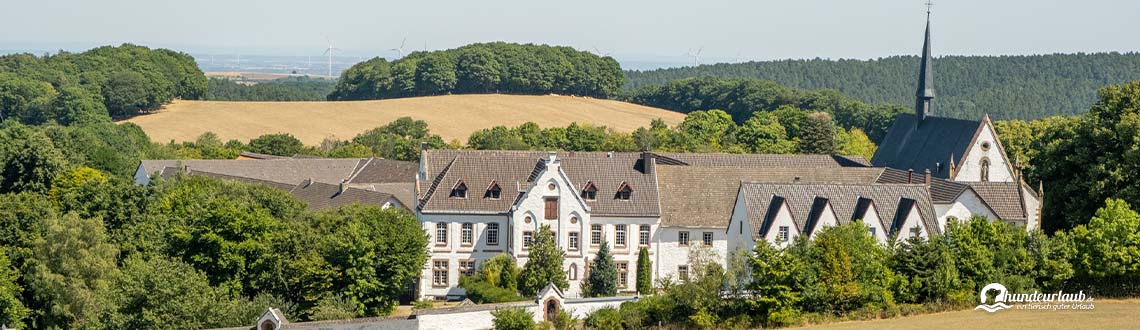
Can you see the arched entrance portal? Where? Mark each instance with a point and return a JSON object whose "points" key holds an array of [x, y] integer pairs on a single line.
{"points": [[551, 310]]}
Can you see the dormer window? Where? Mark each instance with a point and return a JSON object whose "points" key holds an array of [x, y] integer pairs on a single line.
{"points": [[460, 190], [624, 192], [590, 192], [493, 191]]}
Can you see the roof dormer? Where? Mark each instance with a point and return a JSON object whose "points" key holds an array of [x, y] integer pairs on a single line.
{"points": [[459, 190], [590, 191], [494, 191], [624, 192]]}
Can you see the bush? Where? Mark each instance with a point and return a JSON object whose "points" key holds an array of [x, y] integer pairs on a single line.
{"points": [[606, 318], [513, 318]]}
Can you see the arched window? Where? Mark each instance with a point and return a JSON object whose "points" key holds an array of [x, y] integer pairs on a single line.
{"points": [[985, 169], [572, 274]]}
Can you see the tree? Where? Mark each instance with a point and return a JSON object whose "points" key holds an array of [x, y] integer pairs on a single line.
{"points": [[818, 135], [71, 272], [764, 134], [435, 75], [29, 160], [644, 272], [282, 144], [77, 105], [165, 292], [125, 93], [605, 318], [25, 100], [854, 143], [773, 284], [1106, 249], [12, 309], [477, 71], [495, 281], [602, 279], [543, 264]]}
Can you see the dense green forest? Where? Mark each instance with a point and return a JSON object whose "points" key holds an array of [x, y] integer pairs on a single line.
{"points": [[496, 67], [1006, 87], [742, 97], [281, 89], [95, 85]]}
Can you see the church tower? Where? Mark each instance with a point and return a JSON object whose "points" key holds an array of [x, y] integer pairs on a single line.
{"points": [[924, 98]]}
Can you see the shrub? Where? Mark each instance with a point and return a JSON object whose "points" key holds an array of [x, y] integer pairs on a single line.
{"points": [[607, 318], [513, 318]]}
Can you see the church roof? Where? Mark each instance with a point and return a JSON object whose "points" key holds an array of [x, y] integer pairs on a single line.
{"points": [[929, 144]]}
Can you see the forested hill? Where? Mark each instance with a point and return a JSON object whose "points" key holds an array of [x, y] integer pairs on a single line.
{"points": [[496, 67], [1006, 87]]}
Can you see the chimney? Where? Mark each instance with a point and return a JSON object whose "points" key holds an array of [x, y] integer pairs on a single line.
{"points": [[910, 176], [796, 180], [926, 177], [343, 186], [423, 145], [648, 162]]}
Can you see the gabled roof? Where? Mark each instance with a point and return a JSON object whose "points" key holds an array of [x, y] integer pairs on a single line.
{"points": [[316, 195], [843, 199], [516, 171], [899, 219], [942, 191], [760, 160], [928, 144], [700, 196], [289, 170], [818, 206], [1002, 197], [379, 170]]}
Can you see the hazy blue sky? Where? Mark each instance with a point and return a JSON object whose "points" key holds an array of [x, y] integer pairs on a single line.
{"points": [[631, 29]]}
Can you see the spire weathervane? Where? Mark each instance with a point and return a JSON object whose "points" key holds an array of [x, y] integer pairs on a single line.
{"points": [[929, 4]]}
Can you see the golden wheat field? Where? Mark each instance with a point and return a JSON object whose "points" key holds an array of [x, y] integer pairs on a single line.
{"points": [[451, 116], [1107, 315]]}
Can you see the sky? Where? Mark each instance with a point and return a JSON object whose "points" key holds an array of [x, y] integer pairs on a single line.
{"points": [[665, 30]]}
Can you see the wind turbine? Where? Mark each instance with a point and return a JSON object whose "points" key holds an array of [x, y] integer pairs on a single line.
{"points": [[696, 56], [600, 53], [400, 51], [329, 52]]}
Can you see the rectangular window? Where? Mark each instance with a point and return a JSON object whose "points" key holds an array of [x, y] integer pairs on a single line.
{"points": [[441, 233], [783, 235], [707, 238], [620, 235], [590, 194], [643, 235], [683, 238], [595, 235], [573, 236], [492, 234], [683, 272], [528, 239], [551, 209], [623, 274], [468, 235], [439, 273], [467, 267], [872, 230]]}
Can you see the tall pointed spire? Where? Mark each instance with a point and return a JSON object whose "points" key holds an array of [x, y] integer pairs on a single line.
{"points": [[924, 104]]}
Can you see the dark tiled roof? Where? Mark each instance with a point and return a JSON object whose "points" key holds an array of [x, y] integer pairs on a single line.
{"points": [[276, 170], [697, 196], [942, 191], [760, 160], [256, 156], [515, 172], [316, 195], [379, 170], [928, 145], [844, 200], [1003, 197]]}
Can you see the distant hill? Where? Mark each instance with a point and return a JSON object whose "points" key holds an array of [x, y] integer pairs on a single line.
{"points": [[1006, 87], [452, 116]]}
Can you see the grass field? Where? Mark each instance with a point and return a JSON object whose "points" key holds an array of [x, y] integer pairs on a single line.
{"points": [[1107, 314], [451, 116]]}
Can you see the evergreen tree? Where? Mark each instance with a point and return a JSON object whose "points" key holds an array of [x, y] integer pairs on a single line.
{"points": [[603, 274], [644, 272], [818, 134], [543, 265]]}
